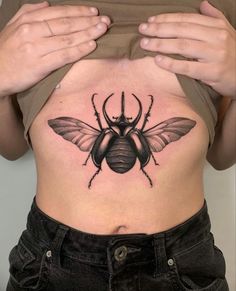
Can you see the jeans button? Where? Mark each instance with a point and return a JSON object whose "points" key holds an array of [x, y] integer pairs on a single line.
{"points": [[49, 254], [121, 253], [170, 262]]}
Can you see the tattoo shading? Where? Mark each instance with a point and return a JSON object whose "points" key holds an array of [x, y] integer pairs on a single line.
{"points": [[121, 143]]}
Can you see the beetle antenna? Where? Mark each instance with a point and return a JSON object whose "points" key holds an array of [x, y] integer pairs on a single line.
{"points": [[94, 175], [146, 174]]}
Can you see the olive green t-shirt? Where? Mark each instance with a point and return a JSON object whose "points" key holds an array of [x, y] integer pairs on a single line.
{"points": [[122, 41]]}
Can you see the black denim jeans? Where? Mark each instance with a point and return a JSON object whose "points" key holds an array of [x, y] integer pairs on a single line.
{"points": [[51, 256]]}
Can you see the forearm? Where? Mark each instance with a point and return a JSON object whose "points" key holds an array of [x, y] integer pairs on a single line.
{"points": [[222, 154], [12, 142]]}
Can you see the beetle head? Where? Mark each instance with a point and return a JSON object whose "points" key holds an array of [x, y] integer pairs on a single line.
{"points": [[122, 122]]}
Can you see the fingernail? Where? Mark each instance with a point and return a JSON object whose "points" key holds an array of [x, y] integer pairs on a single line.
{"points": [[145, 41], [46, 2], [105, 20], [151, 19], [143, 26], [92, 43], [94, 10], [100, 26], [159, 58]]}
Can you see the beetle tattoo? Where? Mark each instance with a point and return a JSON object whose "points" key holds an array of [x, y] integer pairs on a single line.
{"points": [[121, 142]]}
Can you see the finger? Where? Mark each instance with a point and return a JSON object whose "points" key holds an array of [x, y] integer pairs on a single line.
{"points": [[188, 18], [195, 70], [185, 47], [62, 57], [28, 8], [66, 25], [49, 45], [207, 9], [180, 30], [57, 12]]}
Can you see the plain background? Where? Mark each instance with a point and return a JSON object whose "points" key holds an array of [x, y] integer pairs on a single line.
{"points": [[17, 189]]}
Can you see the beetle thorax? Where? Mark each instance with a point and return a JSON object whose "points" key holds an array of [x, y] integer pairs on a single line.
{"points": [[123, 125]]}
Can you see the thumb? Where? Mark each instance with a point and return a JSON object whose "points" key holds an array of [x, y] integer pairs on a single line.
{"points": [[209, 10]]}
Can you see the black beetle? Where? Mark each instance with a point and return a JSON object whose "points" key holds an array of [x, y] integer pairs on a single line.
{"points": [[121, 143]]}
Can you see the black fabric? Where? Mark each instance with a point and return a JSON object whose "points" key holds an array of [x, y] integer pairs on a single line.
{"points": [[52, 256]]}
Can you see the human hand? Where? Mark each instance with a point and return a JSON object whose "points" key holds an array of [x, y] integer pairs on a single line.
{"points": [[209, 39], [40, 39]]}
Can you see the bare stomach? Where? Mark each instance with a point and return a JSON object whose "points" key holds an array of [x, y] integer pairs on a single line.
{"points": [[119, 149]]}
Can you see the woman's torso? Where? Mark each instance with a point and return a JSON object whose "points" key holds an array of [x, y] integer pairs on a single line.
{"points": [[120, 198]]}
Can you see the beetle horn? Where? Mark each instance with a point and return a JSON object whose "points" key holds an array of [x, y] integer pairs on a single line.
{"points": [[108, 120], [136, 120], [123, 103]]}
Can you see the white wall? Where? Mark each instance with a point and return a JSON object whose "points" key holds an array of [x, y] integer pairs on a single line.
{"points": [[17, 188], [220, 196]]}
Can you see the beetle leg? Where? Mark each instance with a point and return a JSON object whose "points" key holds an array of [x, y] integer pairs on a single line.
{"points": [[148, 113], [96, 112], [146, 174], [94, 175], [155, 162], [85, 163]]}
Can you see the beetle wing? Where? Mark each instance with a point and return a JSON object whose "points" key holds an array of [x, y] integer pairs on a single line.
{"points": [[167, 131], [76, 131]]}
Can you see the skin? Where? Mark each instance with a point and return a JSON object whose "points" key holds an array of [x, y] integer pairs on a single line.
{"points": [[26, 41], [75, 34], [206, 38], [209, 38]]}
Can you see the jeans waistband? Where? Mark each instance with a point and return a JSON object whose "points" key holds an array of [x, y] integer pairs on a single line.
{"points": [[94, 247]]}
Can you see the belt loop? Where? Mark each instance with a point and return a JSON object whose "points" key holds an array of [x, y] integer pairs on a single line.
{"points": [[160, 255], [57, 244], [110, 263]]}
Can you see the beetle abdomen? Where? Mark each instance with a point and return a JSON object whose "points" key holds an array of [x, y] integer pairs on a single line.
{"points": [[121, 157]]}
